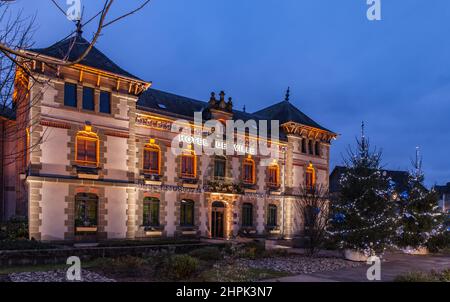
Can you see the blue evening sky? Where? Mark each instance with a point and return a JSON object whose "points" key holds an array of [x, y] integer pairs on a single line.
{"points": [[394, 74]]}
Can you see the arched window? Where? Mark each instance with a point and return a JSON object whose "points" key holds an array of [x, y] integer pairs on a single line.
{"points": [[188, 164], [248, 171], [86, 207], [87, 147], [187, 212], [310, 180], [274, 176], [317, 148], [247, 215], [272, 216], [152, 158], [220, 163], [151, 212]]}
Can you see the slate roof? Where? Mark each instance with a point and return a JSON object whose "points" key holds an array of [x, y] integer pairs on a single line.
{"points": [[285, 112], [95, 58], [400, 179], [158, 101], [445, 189], [166, 103]]}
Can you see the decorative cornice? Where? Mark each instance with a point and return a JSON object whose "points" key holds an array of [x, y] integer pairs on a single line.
{"points": [[300, 130], [53, 124]]}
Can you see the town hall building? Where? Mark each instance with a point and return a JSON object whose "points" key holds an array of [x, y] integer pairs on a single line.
{"points": [[94, 160]]}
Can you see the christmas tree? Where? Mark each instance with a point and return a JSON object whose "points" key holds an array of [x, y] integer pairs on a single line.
{"points": [[362, 214], [420, 216]]}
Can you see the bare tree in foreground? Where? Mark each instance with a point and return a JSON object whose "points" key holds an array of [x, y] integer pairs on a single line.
{"points": [[16, 32], [313, 208]]}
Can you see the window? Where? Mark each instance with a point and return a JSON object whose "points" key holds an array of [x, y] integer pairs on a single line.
{"points": [[274, 175], [105, 102], [152, 159], [310, 147], [188, 165], [86, 147], [151, 212], [247, 215], [220, 166], [272, 216], [249, 171], [303, 145], [187, 213], [86, 206], [317, 148], [310, 177], [88, 98], [70, 95]]}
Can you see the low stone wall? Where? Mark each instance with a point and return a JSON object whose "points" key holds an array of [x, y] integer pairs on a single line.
{"points": [[59, 256]]}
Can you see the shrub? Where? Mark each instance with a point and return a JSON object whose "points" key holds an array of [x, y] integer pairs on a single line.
{"points": [[209, 253], [23, 244], [276, 253], [127, 266], [14, 228], [414, 277], [444, 276], [439, 242], [181, 266], [254, 250], [433, 276]]}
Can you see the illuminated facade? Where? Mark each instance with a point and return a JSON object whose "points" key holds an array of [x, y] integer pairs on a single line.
{"points": [[98, 161]]}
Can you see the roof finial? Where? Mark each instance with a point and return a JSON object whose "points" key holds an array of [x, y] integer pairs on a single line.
{"points": [[79, 30], [288, 92], [244, 109]]}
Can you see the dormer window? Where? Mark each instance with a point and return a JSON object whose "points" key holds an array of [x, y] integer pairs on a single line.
{"points": [[87, 147], [152, 158], [248, 171]]}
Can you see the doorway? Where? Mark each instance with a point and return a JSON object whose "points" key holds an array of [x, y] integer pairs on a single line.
{"points": [[217, 219]]}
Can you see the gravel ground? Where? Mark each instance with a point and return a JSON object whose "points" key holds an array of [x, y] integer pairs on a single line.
{"points": [[299, 264], [56, 276]]}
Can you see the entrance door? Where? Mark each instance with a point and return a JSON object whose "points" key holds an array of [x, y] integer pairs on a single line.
{"points": [[217, 219]]}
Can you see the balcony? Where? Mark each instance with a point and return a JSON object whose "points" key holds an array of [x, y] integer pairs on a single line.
{"points": [[87, 172], [152, 179]]}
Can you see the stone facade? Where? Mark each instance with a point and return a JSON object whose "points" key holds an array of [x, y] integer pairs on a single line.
{"points": [[55, 180]]}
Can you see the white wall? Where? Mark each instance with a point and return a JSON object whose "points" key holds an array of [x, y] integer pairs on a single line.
{"points": [[116, 218], [170, 199], [53, 217], [116, 157], [55, 151]]}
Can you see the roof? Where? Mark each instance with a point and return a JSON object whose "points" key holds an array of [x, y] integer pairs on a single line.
{"points": [[95, 58], [285, 112], [166, 103], [445, 189], [400, 178]]}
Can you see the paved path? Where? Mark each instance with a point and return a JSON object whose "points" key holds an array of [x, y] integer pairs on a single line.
{"points": [[392, 266]]}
